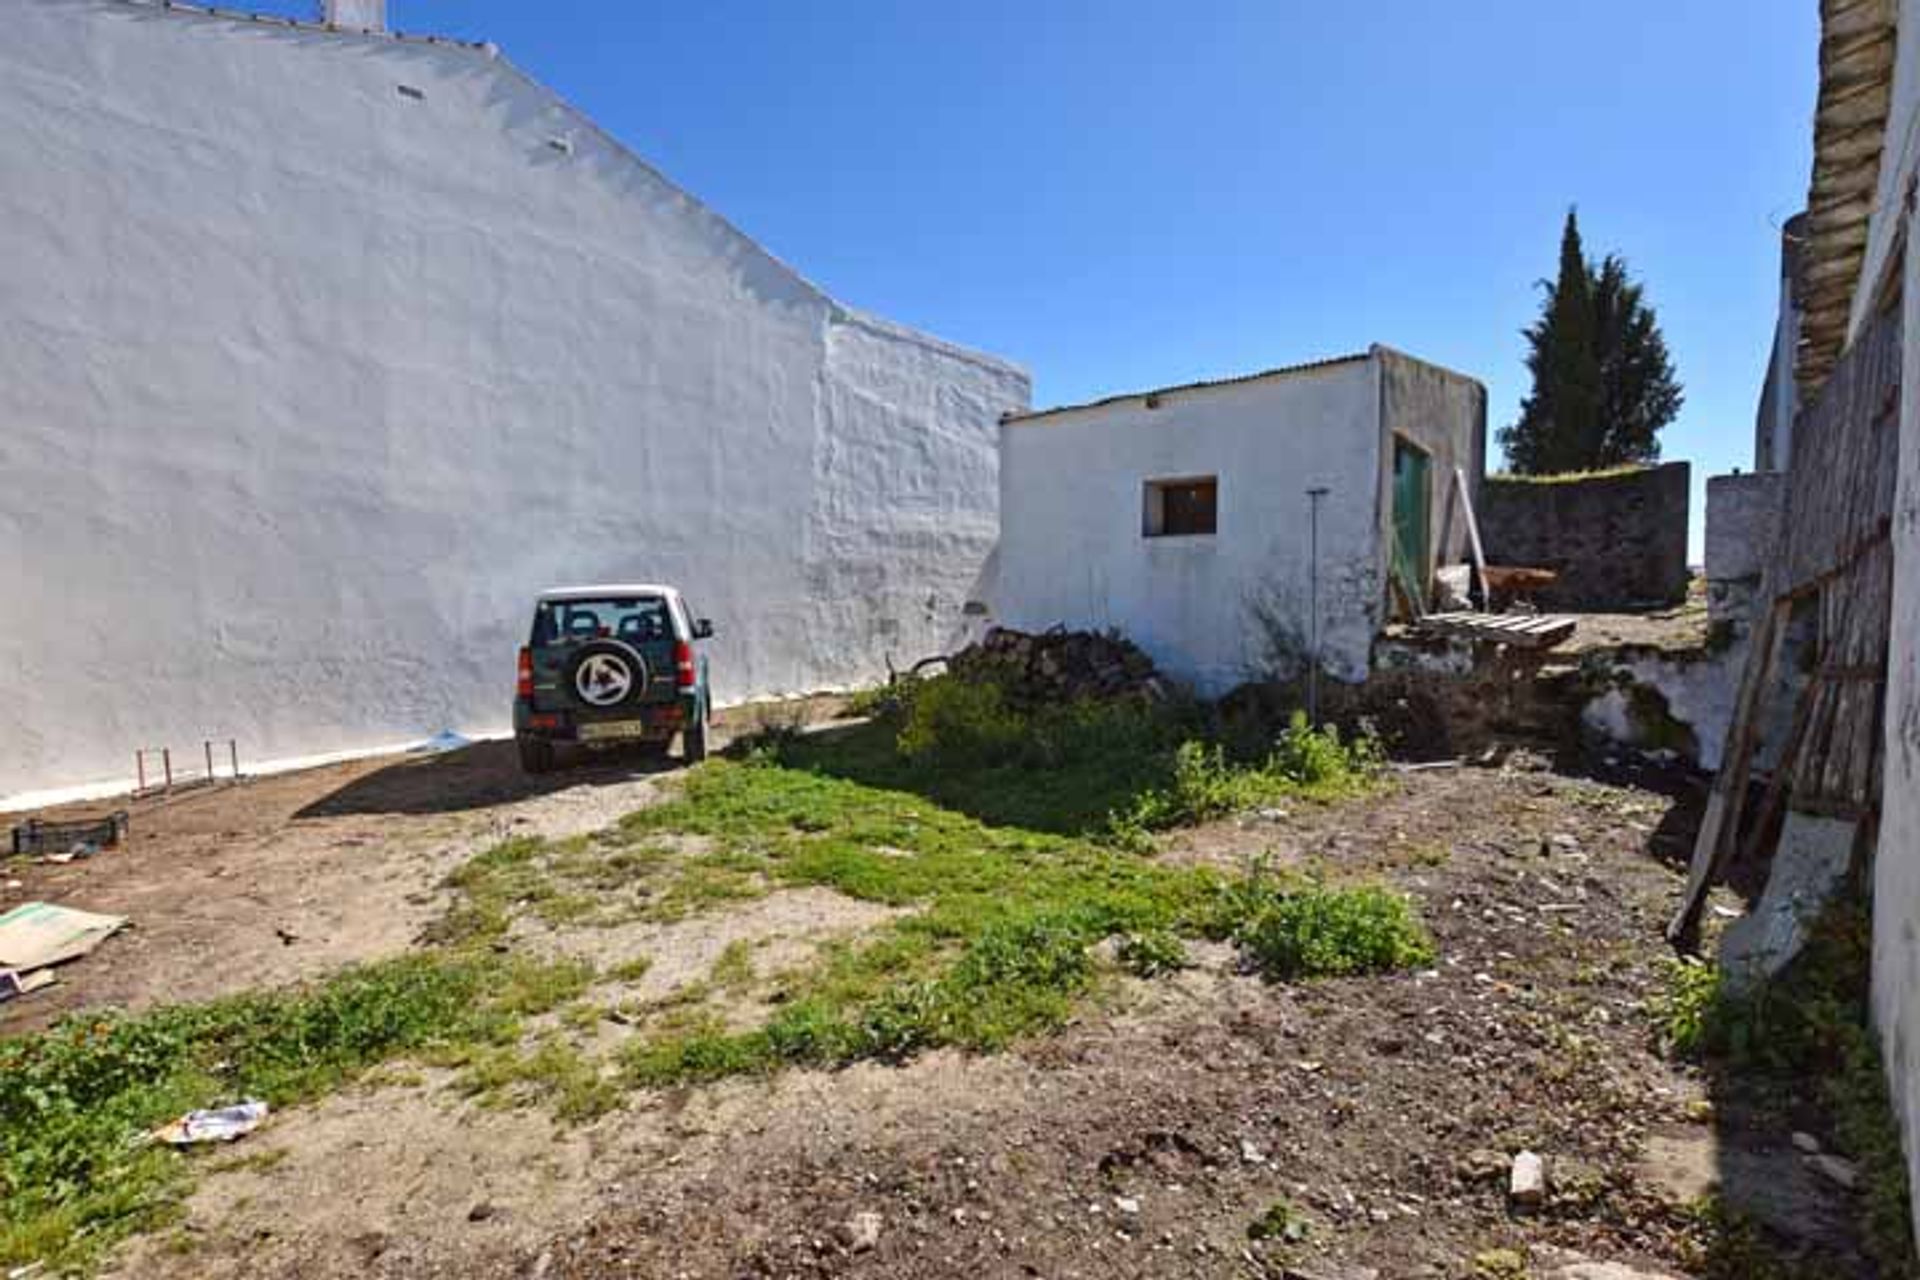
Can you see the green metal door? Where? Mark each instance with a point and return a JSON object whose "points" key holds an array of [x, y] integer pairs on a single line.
{"points": [[1412, 518]]}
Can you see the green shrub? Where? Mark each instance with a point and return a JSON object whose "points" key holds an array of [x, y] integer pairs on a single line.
{"points": [[952, 721], [1281, 1221], [1317, 757], [1317, 932], [1688, 1011], [1152, 952], [1205, 783]]}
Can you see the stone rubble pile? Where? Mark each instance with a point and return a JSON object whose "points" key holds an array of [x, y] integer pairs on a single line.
{"points": [[1061, 666]]}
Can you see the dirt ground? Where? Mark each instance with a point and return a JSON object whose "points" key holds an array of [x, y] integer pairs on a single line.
{"points": [[1142, 1140], [291, 875]]}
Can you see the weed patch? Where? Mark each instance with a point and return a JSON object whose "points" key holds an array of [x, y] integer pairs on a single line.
{"points": [[1315, 932], [998, 945], [1809, 1034], [76, 1099], [1114, 770]]}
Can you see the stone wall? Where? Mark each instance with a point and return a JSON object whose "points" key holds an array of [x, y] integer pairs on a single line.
{"points": [[1743, 517], [1617, 541]]}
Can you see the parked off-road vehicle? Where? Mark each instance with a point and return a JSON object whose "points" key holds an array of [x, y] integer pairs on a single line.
{"points": [[611, 664]]}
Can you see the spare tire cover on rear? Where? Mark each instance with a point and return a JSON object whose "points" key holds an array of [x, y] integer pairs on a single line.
{"points": [[606, 673]]}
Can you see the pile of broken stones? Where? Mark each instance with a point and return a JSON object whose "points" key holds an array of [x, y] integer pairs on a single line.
{"points": [[1061, 666]]}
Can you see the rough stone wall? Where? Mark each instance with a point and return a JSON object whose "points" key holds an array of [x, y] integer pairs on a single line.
{"points": [[320, 354], [1617, 541], [1743, 518]]}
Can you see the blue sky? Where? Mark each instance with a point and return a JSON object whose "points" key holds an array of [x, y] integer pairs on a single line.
{"points": [[1119, 195]]}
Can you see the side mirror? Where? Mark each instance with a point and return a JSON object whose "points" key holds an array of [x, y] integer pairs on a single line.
{"points": [[702, 629]]}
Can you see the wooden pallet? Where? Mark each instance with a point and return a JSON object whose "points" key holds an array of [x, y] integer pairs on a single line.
{"points": [[1521, 630]]}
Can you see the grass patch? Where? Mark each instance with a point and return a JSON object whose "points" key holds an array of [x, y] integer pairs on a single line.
{"points": [[1809, 1035], [75, 1100], [999, 942], [1110, 770], [555, 1072]]}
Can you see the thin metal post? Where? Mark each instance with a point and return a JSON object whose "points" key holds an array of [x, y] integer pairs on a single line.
{"points": [[140, 769], [166, 765], [1313, 608], [233, 758], [208, 744]]}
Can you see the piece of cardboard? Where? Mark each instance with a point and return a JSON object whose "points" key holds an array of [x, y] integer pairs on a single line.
{"points": [[37, 934], [13, 984]]}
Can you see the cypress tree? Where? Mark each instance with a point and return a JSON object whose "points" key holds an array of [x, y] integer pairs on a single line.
{"points": [[1603, 386]]}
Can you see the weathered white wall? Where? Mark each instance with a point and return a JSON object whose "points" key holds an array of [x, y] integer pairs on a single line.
{"points": [[1072, 550], [1896, 901], [1445, 414], [1896, 888], [307, 386]]}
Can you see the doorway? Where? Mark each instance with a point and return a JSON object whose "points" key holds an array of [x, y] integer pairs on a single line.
{"points": [[1412, 522]]}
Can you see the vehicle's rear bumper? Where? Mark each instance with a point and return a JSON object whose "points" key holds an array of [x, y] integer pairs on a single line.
{"points": [[655, 722]]}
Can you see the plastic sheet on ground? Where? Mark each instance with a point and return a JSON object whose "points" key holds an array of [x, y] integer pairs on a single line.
{"points": [[222, 1124]]}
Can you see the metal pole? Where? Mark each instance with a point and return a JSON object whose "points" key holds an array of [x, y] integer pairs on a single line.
{"points": [[208, 744], [1313, 609], [166, 765], [233, 757], [140, 769]]}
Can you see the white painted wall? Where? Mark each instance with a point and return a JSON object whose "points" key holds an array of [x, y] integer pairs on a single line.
{"points": [[307, 386], [1896, 888], [1072, 550]]}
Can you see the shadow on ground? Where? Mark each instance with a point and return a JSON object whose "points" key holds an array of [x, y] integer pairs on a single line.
{"points": [[1071, 798], [476, 777]]}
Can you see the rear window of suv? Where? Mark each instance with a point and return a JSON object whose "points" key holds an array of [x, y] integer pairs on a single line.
{"points": [[631, 618]]}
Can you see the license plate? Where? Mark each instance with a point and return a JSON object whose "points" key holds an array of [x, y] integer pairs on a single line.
{"points": [[613, 730]]}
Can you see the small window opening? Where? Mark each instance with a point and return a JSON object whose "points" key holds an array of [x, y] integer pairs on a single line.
{"points": [[408, 91], [1182, 508]]}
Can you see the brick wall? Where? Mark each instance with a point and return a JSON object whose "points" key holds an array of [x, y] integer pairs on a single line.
{"points": [[1616, 541]]}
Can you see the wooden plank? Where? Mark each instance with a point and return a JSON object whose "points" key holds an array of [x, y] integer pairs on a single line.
{"points": [[1730, 783], [1777, 785], [1473, 537]]}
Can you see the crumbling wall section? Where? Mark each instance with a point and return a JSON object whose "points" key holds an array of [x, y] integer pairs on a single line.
{"points": [[1617, 540], [1743, 524]]}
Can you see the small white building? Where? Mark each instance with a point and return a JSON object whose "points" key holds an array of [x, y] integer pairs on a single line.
{"points": [[1180, 516]]}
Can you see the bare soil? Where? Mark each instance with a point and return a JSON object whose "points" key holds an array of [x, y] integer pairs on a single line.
{"points": [[1142, 1140]]}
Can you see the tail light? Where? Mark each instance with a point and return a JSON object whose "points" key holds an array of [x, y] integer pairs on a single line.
{"points": [[523, 686], [683, 664]]}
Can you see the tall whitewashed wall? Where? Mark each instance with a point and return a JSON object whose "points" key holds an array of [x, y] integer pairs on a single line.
{"points": [[1072, 549], [308, 384], [1896, 888], [1896, 906]]}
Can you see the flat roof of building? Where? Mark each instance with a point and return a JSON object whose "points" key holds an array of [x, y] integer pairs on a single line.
{"points": [[1282, 371], [1378, 349]]}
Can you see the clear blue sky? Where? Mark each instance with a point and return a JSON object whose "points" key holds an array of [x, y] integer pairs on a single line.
{"points": [[1119, 195]]}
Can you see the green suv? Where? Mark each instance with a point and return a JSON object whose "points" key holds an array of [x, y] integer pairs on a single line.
{"points": [[611, 664]]}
